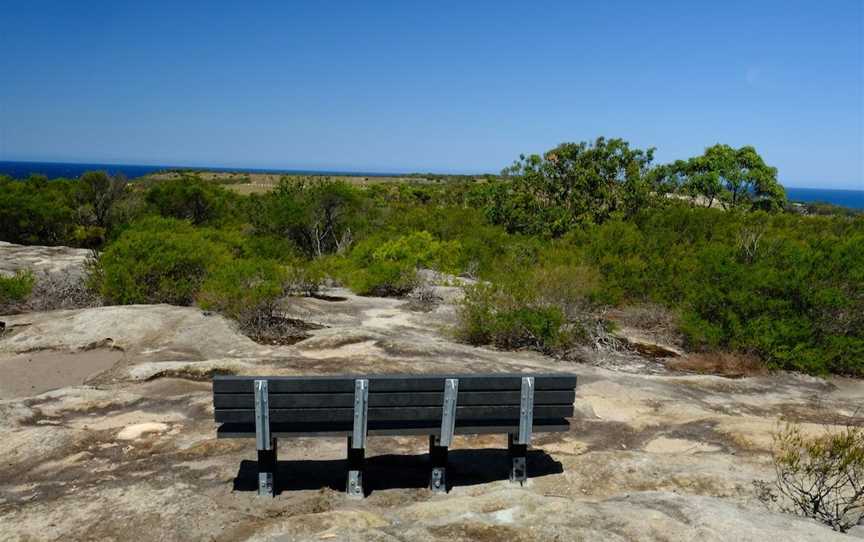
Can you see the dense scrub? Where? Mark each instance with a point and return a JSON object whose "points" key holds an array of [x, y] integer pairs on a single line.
{"points": [[786, 288], [555, 242]]}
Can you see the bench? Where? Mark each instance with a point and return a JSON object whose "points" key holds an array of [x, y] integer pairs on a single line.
{"points": [[440, 406]]}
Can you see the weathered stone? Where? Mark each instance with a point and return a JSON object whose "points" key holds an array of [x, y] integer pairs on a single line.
{"points": [[40, 258]]}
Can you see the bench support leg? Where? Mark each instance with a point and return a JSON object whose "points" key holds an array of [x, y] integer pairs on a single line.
{"points": [[267, 471], [518, 460], [438, 455], [356, 463]]}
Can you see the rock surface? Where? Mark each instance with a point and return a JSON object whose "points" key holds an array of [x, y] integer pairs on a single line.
{"points": [[39, 258], [132, 452]]}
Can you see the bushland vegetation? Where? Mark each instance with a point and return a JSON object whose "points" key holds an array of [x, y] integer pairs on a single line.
{"points": [[555, 241]]}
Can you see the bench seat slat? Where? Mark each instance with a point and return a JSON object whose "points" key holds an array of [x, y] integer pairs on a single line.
{"points": [[392, 383], [310, 415], [233, 430], [346, 400]]}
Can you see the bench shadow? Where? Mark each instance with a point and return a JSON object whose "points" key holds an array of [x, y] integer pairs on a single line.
{"points": [[464, 468]]}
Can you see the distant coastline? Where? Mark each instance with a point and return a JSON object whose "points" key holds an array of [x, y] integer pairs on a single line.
{"points": [[853, 199], [72, 170]]}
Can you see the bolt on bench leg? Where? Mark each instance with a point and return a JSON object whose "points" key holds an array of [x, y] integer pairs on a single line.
{"points": [[518, 460], [267, 471], [356, 463], [438, 455]]}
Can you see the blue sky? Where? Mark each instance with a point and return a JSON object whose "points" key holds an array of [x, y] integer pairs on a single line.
{"points": [[431, 86]]}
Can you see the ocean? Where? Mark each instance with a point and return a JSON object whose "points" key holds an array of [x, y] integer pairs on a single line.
{"points": [[845, 198], [53, 170]]}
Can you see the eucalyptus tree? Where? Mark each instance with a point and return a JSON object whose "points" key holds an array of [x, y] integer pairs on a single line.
{"points": [[583, 183], [737, 178]]}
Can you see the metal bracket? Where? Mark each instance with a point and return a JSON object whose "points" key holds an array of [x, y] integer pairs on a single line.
{"points": [[519, 470], [438, 481], [526, 411], [355, 484], [361, 404], [265, 484], [448, 411], [262, 416]]}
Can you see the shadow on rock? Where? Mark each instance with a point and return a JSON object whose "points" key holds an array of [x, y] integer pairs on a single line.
{"points": [[464, 468]]}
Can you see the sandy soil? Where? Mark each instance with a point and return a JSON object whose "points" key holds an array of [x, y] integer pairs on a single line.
{"points": [[37, 372]]}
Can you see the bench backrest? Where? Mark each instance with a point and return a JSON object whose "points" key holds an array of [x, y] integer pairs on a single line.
{"points": [[393, 398]]}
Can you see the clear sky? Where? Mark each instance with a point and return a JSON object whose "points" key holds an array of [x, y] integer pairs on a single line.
{"points": [[431, 86]]}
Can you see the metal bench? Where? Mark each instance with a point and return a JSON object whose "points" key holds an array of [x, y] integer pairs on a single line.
{"points": [[269, 408]]}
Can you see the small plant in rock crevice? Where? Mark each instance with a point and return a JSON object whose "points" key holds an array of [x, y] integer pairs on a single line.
{"points": [[16, 289], [819, 477]]}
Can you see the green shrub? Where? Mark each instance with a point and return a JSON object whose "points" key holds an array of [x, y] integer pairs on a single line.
{"points": [[37, 211], [383, 279], [17, 288], [270, 247], [62, 211], [159, 260], [190, 198], [305, 277], [379, 267], [96, 195], [489, 314], [244, 289], [318, 216], [538, 327], [783, 287]]}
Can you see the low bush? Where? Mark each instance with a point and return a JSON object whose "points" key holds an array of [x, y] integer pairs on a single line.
{"points": [[246, 290], [190, 198], [37, 211], [320, 216], [490, 314], [387, 279], [78, 213], [821, 477], [389, 267], [270, 247], [16, 289], [159, 260], [305, 277], [785, 288]]}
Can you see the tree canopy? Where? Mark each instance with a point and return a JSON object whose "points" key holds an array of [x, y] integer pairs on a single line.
{"points": [[737, 178], [585, 182]]}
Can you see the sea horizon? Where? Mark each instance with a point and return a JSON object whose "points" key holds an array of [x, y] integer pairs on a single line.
{"points": [[843, 197]]}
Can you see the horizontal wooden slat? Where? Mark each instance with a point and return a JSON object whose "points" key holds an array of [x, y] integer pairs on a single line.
{"points": [[230, 430], [394, 400], [392, 383], [312, 415]]}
